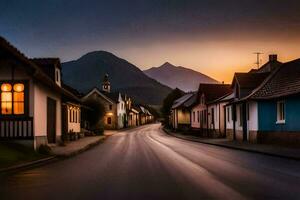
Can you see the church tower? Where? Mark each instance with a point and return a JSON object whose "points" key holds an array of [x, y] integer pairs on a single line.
{"points": [[106, 84]]}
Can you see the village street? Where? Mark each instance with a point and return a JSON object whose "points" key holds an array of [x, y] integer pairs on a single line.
{"points": [[145, 163]]}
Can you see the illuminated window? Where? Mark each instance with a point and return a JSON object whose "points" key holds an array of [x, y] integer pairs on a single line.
{"points": [[6, 99], [70, 115], [18, 99], [12, 99]]}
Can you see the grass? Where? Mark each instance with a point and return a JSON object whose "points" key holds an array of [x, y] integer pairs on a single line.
{"points": [[14, 154]]}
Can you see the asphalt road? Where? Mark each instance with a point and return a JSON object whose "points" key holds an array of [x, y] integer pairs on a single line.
{"points": [[145, 163]]}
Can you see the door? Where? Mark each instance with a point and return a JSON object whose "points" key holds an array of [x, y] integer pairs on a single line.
{"points": [[51, 120]]}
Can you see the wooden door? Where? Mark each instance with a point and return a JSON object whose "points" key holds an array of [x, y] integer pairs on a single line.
{"points": [[51, 120]]}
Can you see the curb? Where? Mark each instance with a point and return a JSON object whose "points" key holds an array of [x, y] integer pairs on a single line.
{"points": [[29, 164], [233, 147], [87, 147]]}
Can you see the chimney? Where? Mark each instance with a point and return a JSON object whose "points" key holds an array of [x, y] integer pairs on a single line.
{"points": [[272, 57]]}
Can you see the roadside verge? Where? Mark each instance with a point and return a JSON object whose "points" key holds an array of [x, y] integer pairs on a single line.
{"points": [[59, 152]]}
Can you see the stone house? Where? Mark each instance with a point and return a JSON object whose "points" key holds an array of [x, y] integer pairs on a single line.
{"points": [[113, 103]]}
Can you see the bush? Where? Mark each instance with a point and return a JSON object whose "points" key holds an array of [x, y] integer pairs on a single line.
{"points": [[99, 131], [44, 149]]}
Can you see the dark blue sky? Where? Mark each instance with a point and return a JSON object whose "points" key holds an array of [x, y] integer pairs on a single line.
{"points": [[149, 32]]}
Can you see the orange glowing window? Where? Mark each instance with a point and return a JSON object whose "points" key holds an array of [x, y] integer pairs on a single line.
{"points": [[18, 99], [6, 99], [12, 99]]}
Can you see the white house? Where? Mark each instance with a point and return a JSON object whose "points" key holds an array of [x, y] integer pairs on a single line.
{"points": [[30, 97], [242, 122], [181, 111], [207, 115]]}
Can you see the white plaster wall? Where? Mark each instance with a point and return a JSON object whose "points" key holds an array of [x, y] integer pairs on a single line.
{"points": [[216, 116], [229, 124], [120, 112], [237, 125], [196, 123], [40, 110], [253, 116]]}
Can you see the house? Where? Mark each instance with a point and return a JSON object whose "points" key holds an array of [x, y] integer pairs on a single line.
{"points": [[275, 117], [30, 97], [180, 111], [217, 111], [149, 116], [243, 122], [113, 103], [207, 112], [71, 113], [145, 115], [133, 117]]}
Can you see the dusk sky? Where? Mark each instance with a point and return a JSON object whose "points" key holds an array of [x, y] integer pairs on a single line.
{"points": [[211, 36]]}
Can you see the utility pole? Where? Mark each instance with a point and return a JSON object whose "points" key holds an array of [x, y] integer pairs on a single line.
{"points": [[258, 58]]}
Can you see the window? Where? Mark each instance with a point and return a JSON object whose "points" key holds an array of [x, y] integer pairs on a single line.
{"points": [[213, 116], [79, 115], [109, 120], [204, 116], [110, 107], [228, 114], [198, 120], [194, 118], [12, 99], [280, 112], [241, 115], [6, 99], [57, 76], [70, 115], [248, 111], [75, 116]]}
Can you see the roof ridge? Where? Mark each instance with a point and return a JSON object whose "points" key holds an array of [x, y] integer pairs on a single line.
{"points": [[272, 74]]}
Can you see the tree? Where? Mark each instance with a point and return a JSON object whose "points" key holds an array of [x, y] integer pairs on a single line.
{"points": [[168, 102], [95, 115]]}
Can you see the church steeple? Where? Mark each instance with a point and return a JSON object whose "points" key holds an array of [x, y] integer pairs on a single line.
{"points": [[106, 84]]}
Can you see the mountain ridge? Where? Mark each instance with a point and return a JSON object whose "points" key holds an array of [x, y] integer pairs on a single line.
{"points": [[88, 71], [178, 76]]}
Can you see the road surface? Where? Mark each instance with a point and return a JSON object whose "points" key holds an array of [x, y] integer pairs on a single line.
{"points": [[145, 163]]}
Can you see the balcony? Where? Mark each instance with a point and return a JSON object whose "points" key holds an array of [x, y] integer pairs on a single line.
{"points": [[16, 128]]}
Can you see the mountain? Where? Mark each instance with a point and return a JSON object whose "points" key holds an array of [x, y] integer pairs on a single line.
{"points": [[178, 77], [88, 72]]}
